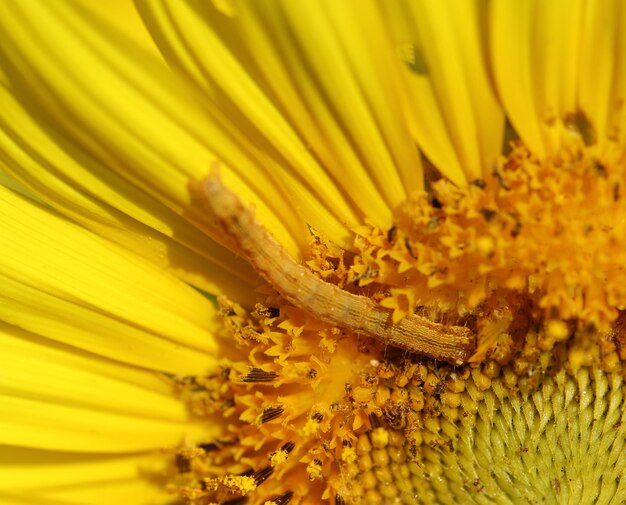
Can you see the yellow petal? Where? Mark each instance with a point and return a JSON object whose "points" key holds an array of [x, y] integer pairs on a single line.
{"points": [[332, 69], [124, 15], [134, 115], [39, 424], [128, 491], [557, 59], [602, 73], [455, 115], [56, 399], [253, 85], [77, 184], [9, 182], [616, 127], [9, 498], [36, 368], [53, 468], [511, 45], [64, 283]]}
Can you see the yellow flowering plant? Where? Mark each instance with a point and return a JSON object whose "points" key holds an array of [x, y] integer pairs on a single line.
{"points": [[343, 252]]}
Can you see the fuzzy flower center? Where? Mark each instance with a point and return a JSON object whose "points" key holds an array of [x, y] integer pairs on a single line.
{"points": [[530, 259], [535, 253]]}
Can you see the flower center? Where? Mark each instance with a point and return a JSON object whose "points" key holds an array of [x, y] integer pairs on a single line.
{"points": [[530, 261], [531, 257], [292, 405]]}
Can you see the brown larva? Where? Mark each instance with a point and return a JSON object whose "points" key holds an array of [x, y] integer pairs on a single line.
{"points": [[327, 302]]}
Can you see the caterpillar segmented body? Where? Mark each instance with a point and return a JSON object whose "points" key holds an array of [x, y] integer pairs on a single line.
{"points": [[327, 302]]}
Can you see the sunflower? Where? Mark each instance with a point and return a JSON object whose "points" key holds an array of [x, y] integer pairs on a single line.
{"points": [[313, 252]]}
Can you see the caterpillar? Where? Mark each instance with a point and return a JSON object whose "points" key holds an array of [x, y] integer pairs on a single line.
{"points": [[326, 302]]}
